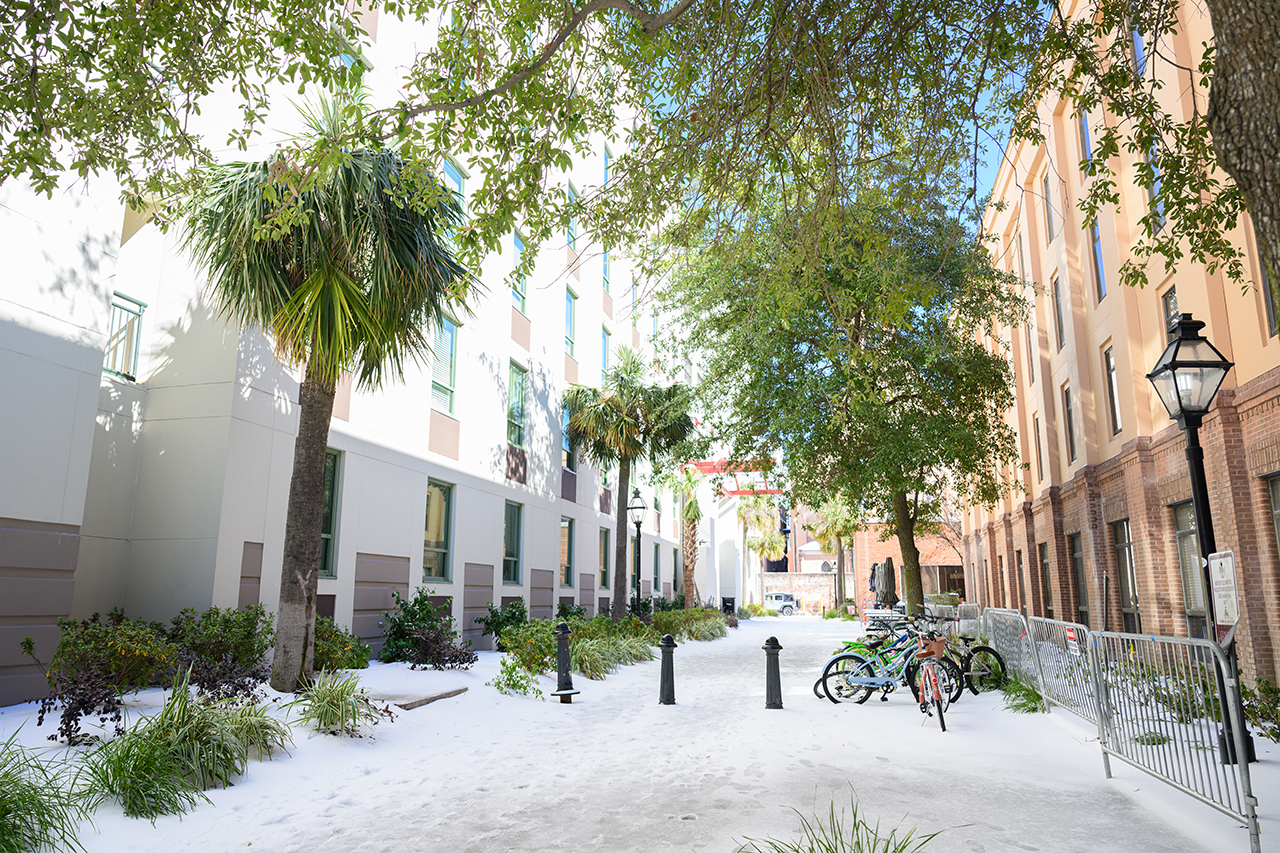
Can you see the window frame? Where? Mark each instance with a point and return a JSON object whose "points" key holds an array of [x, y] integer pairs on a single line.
{"points": [[657, 570], [1127, 575], [1068, 413], [1046, 580], [517, 417], [568, 453], [511, 563], [124, 333], [1079, 578], [1186, 545], [444, 391], [1035, 419], [566, 553], [331, 489], [604, 557], [605, 337], [1060, 324], [1099, 272], [1113, 389], [570, 319], [446, 567], [1046, 184], [519, 283], [1084, 138]]}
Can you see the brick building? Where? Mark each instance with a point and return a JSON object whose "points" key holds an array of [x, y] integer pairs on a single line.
{"points": [[1102, 531]]}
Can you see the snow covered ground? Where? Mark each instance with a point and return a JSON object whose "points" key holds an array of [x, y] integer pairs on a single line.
{"points": [[616, 771]]}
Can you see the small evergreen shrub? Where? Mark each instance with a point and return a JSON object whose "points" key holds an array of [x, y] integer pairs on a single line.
{"points": [[422, 634], [500, 619], [439, 648], [514, 680], [336, 704], [594, 658], [731, 620], [841, 833], [224, 650], [1021, 697], [532, 645], [640, 608], [570, 612], [1262, 708], [38, 810], [1152, 739], [756, 609], [663, 604], [259, 732], [338, 648], [744, 613]]}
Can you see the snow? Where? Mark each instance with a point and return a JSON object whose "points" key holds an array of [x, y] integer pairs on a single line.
{"points": [[616, 771]]}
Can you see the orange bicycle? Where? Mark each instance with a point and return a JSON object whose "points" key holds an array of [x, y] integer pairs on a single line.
{"points": [[935, 683]]}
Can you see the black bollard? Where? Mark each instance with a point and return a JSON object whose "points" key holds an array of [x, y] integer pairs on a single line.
{"points": [[564, 681], [772, 677], [667, 690]]}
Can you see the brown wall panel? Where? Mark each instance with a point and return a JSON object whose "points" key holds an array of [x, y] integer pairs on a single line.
{"points": [[250, 575], [541, 595], [37, 578], [477, 594], [376, 576]]}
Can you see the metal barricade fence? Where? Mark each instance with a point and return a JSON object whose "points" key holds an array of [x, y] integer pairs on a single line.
{"points": [[1008, 632], [1159, 709], [1066, 676], [969, 619]]}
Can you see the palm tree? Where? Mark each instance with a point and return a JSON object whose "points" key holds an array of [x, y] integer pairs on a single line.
{"points": [[756, 512], [837, 523], [354, 281], [685, 485], [620, 423]]}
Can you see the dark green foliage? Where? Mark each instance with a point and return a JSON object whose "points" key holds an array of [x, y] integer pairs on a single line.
{"points": [[338, 648], [401, 626], [744, 613], [225, 650], [565, 612], [38, 810], [674, 603], [639, 607], [532, 644], [1022, 697], [1262, 708], [512, 614], [731, 620]]}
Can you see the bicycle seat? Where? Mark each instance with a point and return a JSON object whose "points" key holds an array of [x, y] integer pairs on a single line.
{"points": [[875, 642]]}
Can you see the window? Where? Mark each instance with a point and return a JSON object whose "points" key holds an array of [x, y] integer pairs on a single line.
{"points": [[1068, 414], [568, 458], [1188, 544], [328, 561], [1082, 129], [1046, 583], [1273, 486], [1039, 456], [605, 278], [1128, 580], [1059, 327], [1022, 582], [634, 291], [125, 333], [1079, 581], [1268, 297], [566, 552], [444, 354], [604, 558], [1099, 274], [1113, 389], [456, 181], [570, 308], [516, 392], [1048, 210], [571, 233], [675, 569], [657, 569], [1139, 50], [519, 282], [604, 350], [1169, 305], [435, 537], [1031, 352], [511, 543], [635, 566], [1000, 579], [1155, 199]]}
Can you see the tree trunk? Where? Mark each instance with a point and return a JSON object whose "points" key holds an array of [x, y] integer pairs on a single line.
{"points": [[690, 563], [621, 591], [1244, 113], [296, 618], [841, 592], [912, 588]]}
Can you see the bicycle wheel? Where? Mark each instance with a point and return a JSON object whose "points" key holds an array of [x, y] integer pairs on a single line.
{"points": [[817, 689], [949, 673], [840, 668], [938, 706], [984, 670]]}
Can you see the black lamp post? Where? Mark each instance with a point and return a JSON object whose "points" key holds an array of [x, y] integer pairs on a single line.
{"points": [[1187, 378], [637, 509]]}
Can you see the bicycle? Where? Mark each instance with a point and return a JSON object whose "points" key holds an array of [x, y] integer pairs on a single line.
{"points": [[982, 666], [933, 693], [851, 677]]}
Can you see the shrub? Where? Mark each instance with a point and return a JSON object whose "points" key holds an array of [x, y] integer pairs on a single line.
{"points": [[1262, 708], [94, 664], [164, 763], [338, 648], [838, 833], [756, 609], [38, 811], [225, 650], [744, 613], [336, 704], [640, 607], [594, 658], [1020, 696], [259, 733], [513, 679], [531, 644], [707, 628], [731, 620], [438, 648], [663, 604], [399, 628], [510, 615], [570, 612]]}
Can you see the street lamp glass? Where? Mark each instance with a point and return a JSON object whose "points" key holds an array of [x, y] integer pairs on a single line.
{"points": [[637, 508], [1189, 371]]}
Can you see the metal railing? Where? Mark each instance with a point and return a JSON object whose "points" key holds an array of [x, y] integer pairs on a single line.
{"points": [[1157, 701], [1066, 675], [1160, 708], [124, 336]]}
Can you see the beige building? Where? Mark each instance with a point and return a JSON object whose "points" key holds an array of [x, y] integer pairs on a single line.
{"points": [[1101, 530]]}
